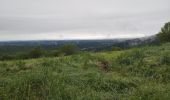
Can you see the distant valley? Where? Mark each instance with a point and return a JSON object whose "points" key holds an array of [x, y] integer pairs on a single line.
{"points": [[84, 45]]}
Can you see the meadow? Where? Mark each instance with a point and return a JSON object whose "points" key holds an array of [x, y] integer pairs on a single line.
{"points": [[141, 73]]}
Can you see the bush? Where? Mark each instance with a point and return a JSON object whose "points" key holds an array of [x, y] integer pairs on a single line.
{"points": [[36, 53], [68, 49]]}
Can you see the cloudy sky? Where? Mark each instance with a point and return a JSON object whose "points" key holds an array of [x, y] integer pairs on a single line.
{"points": [[81, 19]]}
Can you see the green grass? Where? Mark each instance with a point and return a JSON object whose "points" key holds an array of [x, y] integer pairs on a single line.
{"points": [[135, 74]]}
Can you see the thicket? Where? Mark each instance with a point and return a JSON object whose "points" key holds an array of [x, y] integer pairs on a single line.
{"points": [[37, 52]]}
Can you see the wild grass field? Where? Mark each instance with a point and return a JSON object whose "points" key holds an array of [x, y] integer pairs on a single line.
{"points": [[141, 73]]}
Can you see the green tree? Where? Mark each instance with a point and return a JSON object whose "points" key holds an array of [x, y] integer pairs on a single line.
{"points": [[36, 53], [164, 34], [68, 49]]}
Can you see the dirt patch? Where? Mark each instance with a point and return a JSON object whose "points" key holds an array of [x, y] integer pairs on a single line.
{"points": [[104, 65]]}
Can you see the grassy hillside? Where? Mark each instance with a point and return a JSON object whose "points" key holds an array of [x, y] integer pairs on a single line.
{"points": [[135, 74]]}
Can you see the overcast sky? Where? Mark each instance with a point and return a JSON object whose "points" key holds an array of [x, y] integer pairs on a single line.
{"points": [[81, 19]]}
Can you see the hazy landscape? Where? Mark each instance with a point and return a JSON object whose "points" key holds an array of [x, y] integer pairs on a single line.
{"points": [[64, 70], [137, 73], [84, 50]]}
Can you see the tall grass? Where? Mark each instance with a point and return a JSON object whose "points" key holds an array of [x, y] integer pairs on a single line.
{"points": [[135, 74]]}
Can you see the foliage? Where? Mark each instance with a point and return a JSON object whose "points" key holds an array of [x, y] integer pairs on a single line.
{"points": [[35, 53], [68, 49], [116, 49], [6, 57], [164, 34], [38, 51]]}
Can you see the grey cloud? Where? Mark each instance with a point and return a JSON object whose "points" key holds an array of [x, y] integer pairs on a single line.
{"points": [[82, 16]]}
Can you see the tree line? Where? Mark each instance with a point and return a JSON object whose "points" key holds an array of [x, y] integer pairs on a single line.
{"points": [[37, 52]]}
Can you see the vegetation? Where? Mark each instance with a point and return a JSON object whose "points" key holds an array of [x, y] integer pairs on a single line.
{"points": [[116, 48], [68, 49], [64, 73], [37, 52], [164, 34], [141, 73]]}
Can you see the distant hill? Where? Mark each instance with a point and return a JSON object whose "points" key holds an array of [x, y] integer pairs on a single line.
{"points": [[138, 42], [87, 45]]}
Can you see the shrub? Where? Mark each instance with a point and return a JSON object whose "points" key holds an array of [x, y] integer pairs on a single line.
{"points": [[68, 49], [35, 53]]}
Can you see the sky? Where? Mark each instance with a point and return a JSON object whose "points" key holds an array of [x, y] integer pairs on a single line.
{"points": [[81, 19]]}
